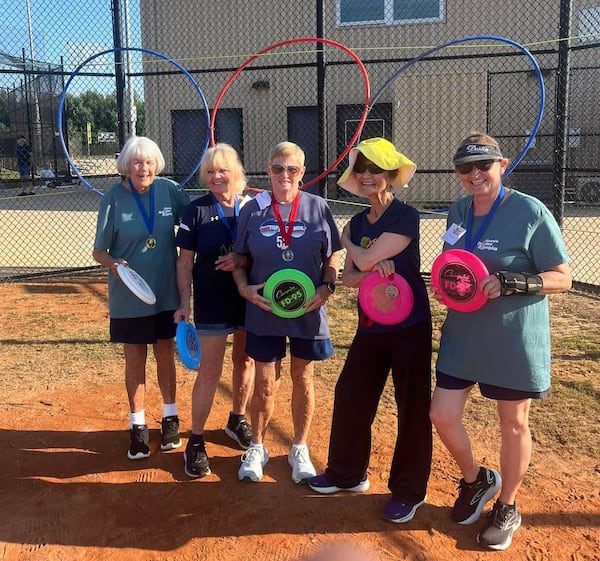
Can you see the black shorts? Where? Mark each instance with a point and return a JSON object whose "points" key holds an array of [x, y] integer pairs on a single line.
{"points": [[143, 331], [447, 382]]}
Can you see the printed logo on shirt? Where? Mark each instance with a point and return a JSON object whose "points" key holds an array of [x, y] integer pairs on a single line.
{"points": [[166, 211], [487, 245], [270, 228], [366, 242]]}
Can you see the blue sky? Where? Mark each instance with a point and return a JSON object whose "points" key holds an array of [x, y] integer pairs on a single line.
{"points": [[69, 28]]}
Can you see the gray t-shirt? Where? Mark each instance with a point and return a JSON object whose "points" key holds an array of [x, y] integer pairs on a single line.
{"points": [[506, 342], [315, 237], [121, 231]]}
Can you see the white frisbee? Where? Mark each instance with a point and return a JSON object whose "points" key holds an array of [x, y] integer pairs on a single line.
{"points": [[135, 282]]}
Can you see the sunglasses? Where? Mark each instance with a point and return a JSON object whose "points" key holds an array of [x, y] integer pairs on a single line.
{"points": [[482, 165], [371, 168], [278, 169]]}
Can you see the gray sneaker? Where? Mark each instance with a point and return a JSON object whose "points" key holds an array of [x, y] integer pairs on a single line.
{"points": [[502, 522]]}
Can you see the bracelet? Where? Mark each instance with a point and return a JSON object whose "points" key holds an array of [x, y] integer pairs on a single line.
{"points": [[519, 283]]}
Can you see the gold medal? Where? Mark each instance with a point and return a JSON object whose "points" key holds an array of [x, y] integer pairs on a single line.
{"points": [[150, 243]]}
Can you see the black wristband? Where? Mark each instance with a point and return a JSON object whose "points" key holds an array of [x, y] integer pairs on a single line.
{"points": [[519, 283], [330, 286]]}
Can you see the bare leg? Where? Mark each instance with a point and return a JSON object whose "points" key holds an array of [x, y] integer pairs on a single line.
{"points": [[262, 406], [164, 353], [135, 375], [303, 397], [207, 380], [446, 413], [515, 452], [242, 378]]}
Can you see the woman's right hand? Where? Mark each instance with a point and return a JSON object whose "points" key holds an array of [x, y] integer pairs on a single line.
{"points": [[250, 293]]}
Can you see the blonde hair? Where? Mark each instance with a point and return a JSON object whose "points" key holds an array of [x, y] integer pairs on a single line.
{"points": [[287, 149], [224, 156], [139, 146]]}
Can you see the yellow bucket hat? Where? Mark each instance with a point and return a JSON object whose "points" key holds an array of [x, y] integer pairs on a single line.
{"points": [[383, 154]]}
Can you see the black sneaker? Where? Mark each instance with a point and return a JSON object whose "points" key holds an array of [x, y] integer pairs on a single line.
{"points": [[138, 446], [169, 433], [195, 461], [473, 496], [502, 522], [241, 433]]}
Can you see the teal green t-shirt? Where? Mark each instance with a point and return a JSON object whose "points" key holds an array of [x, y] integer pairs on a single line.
{"points": [[506, 342], [122, 231]]}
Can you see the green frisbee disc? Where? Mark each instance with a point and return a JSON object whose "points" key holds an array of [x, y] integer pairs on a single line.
{"points": [[288, 290]]}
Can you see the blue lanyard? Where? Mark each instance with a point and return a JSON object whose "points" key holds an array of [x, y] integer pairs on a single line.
{"points": [[471, 243], [224, 220], [148, 220]]}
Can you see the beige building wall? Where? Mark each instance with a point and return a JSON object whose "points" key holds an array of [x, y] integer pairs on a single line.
{"points": [[440, 100]]}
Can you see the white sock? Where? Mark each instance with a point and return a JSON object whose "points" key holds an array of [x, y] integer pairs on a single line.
{"points": [[137, 418], [254, 445], [169, 409]]}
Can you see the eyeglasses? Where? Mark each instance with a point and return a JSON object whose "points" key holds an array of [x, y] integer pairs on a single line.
{"points": [[371, 168], [482, 165], [278, 169]]}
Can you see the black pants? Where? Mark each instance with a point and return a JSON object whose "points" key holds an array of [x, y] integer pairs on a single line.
{"points": [[407, 352]]}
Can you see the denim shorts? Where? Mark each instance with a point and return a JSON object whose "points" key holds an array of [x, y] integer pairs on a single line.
{"points": [[215, 329], [271, 348], [447, 382]]}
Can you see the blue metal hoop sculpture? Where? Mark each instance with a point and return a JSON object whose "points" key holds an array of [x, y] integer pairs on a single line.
{"points": [[147, 51], [520, 47]]}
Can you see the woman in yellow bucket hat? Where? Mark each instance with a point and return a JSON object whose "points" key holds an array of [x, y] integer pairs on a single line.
{"points": [[383, 238]]}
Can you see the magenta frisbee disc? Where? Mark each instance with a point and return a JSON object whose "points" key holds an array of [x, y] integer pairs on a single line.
{"points": [[457, 274], [385, 300]]}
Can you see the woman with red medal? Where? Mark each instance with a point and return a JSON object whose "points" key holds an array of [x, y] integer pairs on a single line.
{"points": [[286, 229]]}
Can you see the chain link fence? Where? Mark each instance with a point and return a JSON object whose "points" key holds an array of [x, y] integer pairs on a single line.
{"points": [[160, 69]]}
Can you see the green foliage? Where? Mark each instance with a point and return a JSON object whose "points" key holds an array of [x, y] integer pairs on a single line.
{"points": [[100, 111]]}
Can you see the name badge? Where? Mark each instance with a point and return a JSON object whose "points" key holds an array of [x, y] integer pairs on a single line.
{"points": [[453, 234]]}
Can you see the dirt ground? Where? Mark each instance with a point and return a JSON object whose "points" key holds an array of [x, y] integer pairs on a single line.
{"points": [[70, 493]]}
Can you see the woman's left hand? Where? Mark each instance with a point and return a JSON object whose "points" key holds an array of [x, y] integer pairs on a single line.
{"points": [[385, 268], [321, 296], [230, 262], [491, 287]]}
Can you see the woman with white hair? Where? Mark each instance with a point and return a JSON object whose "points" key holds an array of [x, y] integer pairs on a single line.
{"points": [[136, 227], [205, 238]]}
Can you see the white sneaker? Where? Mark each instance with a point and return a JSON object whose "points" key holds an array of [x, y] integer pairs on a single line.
{"points": [[302, 467], [253, 461]]}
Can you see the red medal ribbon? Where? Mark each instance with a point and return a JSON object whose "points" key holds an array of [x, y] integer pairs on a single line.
{"points": [[286, 234]]}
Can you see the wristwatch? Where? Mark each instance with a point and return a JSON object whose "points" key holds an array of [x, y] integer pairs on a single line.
{"points": [[330, 286]]}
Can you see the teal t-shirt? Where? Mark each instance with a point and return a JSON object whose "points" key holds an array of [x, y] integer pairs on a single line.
{"points": [[506, 342], [121, 231]]}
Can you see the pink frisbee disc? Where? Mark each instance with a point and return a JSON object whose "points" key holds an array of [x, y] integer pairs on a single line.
{"points": [[457, 275], [385, 300]]}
